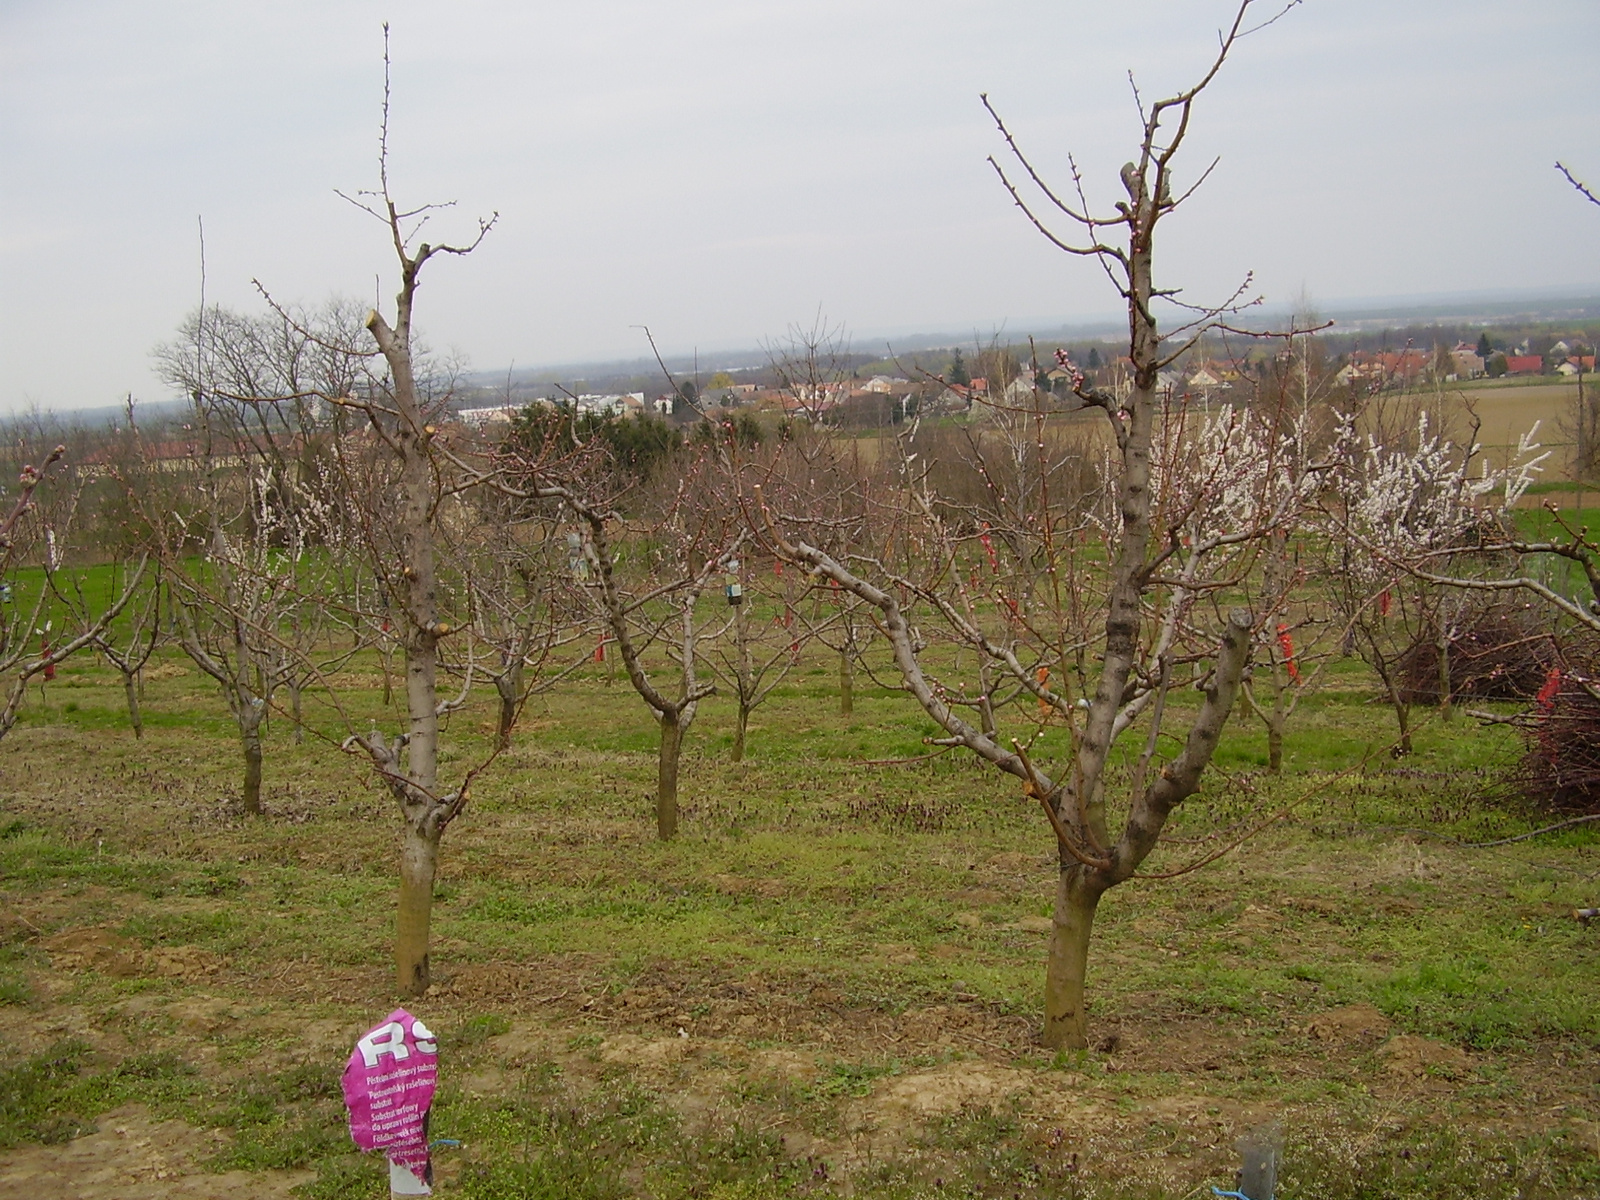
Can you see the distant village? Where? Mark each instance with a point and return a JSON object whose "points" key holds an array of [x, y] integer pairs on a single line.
{"points": [[849, 399]]}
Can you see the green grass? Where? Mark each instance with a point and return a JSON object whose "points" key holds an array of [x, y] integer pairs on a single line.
{"points": [[55, 1095], [815, 905]]}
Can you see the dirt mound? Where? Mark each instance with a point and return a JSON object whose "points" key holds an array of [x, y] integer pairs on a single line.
{"points": [[205, 1015], [522, 1043], [183, 962], [502, 983], [1413, 1057], [95, 949], [632, 1050], [1352, 1023], [782, 1063], [99, 949]]}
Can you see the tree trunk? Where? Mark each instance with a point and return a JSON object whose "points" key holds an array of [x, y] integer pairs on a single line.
{"points": [[131, 688], [419, 863], [426, 812], [1066, 1023], [508, 719], [847, 690], [667, 779], [1275, 743], [1387, 675], [745, 679], [250, 740], [1442, 645], [1402, 716], [509, 686], [295, 713]]}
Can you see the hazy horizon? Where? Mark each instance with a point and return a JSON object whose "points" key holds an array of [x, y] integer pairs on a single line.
{"points": [[721, 172]]}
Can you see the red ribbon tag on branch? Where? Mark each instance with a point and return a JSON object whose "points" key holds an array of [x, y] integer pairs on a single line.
{"points": [[1545, 702], [1286, 644], [1546, 699]]}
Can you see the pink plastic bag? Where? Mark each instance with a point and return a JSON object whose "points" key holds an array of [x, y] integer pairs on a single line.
{"points": [[388, 1086]]}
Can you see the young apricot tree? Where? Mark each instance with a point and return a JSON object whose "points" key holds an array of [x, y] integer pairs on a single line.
{"points": [[246, 519], [1104, 636], [397, 486], [403, 548], [523, 608], [659, 604], [131, 653], [46, 619], [750, 655], [1413, 519]]}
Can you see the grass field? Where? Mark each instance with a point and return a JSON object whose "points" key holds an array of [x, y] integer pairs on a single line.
{"points": [[1507, 409], [829, 985]]}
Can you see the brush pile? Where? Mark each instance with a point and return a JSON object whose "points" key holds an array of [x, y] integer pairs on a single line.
{"points": [[1560, 769], [1498, 652]]}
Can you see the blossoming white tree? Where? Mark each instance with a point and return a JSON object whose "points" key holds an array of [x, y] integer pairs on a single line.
{"points": [[1417, 519]]}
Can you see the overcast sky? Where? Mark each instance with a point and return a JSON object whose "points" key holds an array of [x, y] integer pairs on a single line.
{"points": [[722, 169]]}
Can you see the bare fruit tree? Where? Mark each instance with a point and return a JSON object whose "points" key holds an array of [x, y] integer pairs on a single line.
{"points": [[44, 618], [767, 624], [658, 605], [1295, 644], [408, 763], [526, 608], [397, 489], [243, 511], [1157, 611], [761, 641], [251, 609], [130, 653]]}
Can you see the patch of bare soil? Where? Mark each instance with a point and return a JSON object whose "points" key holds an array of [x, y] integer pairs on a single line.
{"points": [[132, 1156], [94, 950], [944, 1090], [1413, 1058], [97, 949], [1170, 1043], [665, 998], [1353, 1023]]}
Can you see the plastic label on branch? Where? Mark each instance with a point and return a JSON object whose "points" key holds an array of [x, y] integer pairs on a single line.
{"points": [[388, 1087]]}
